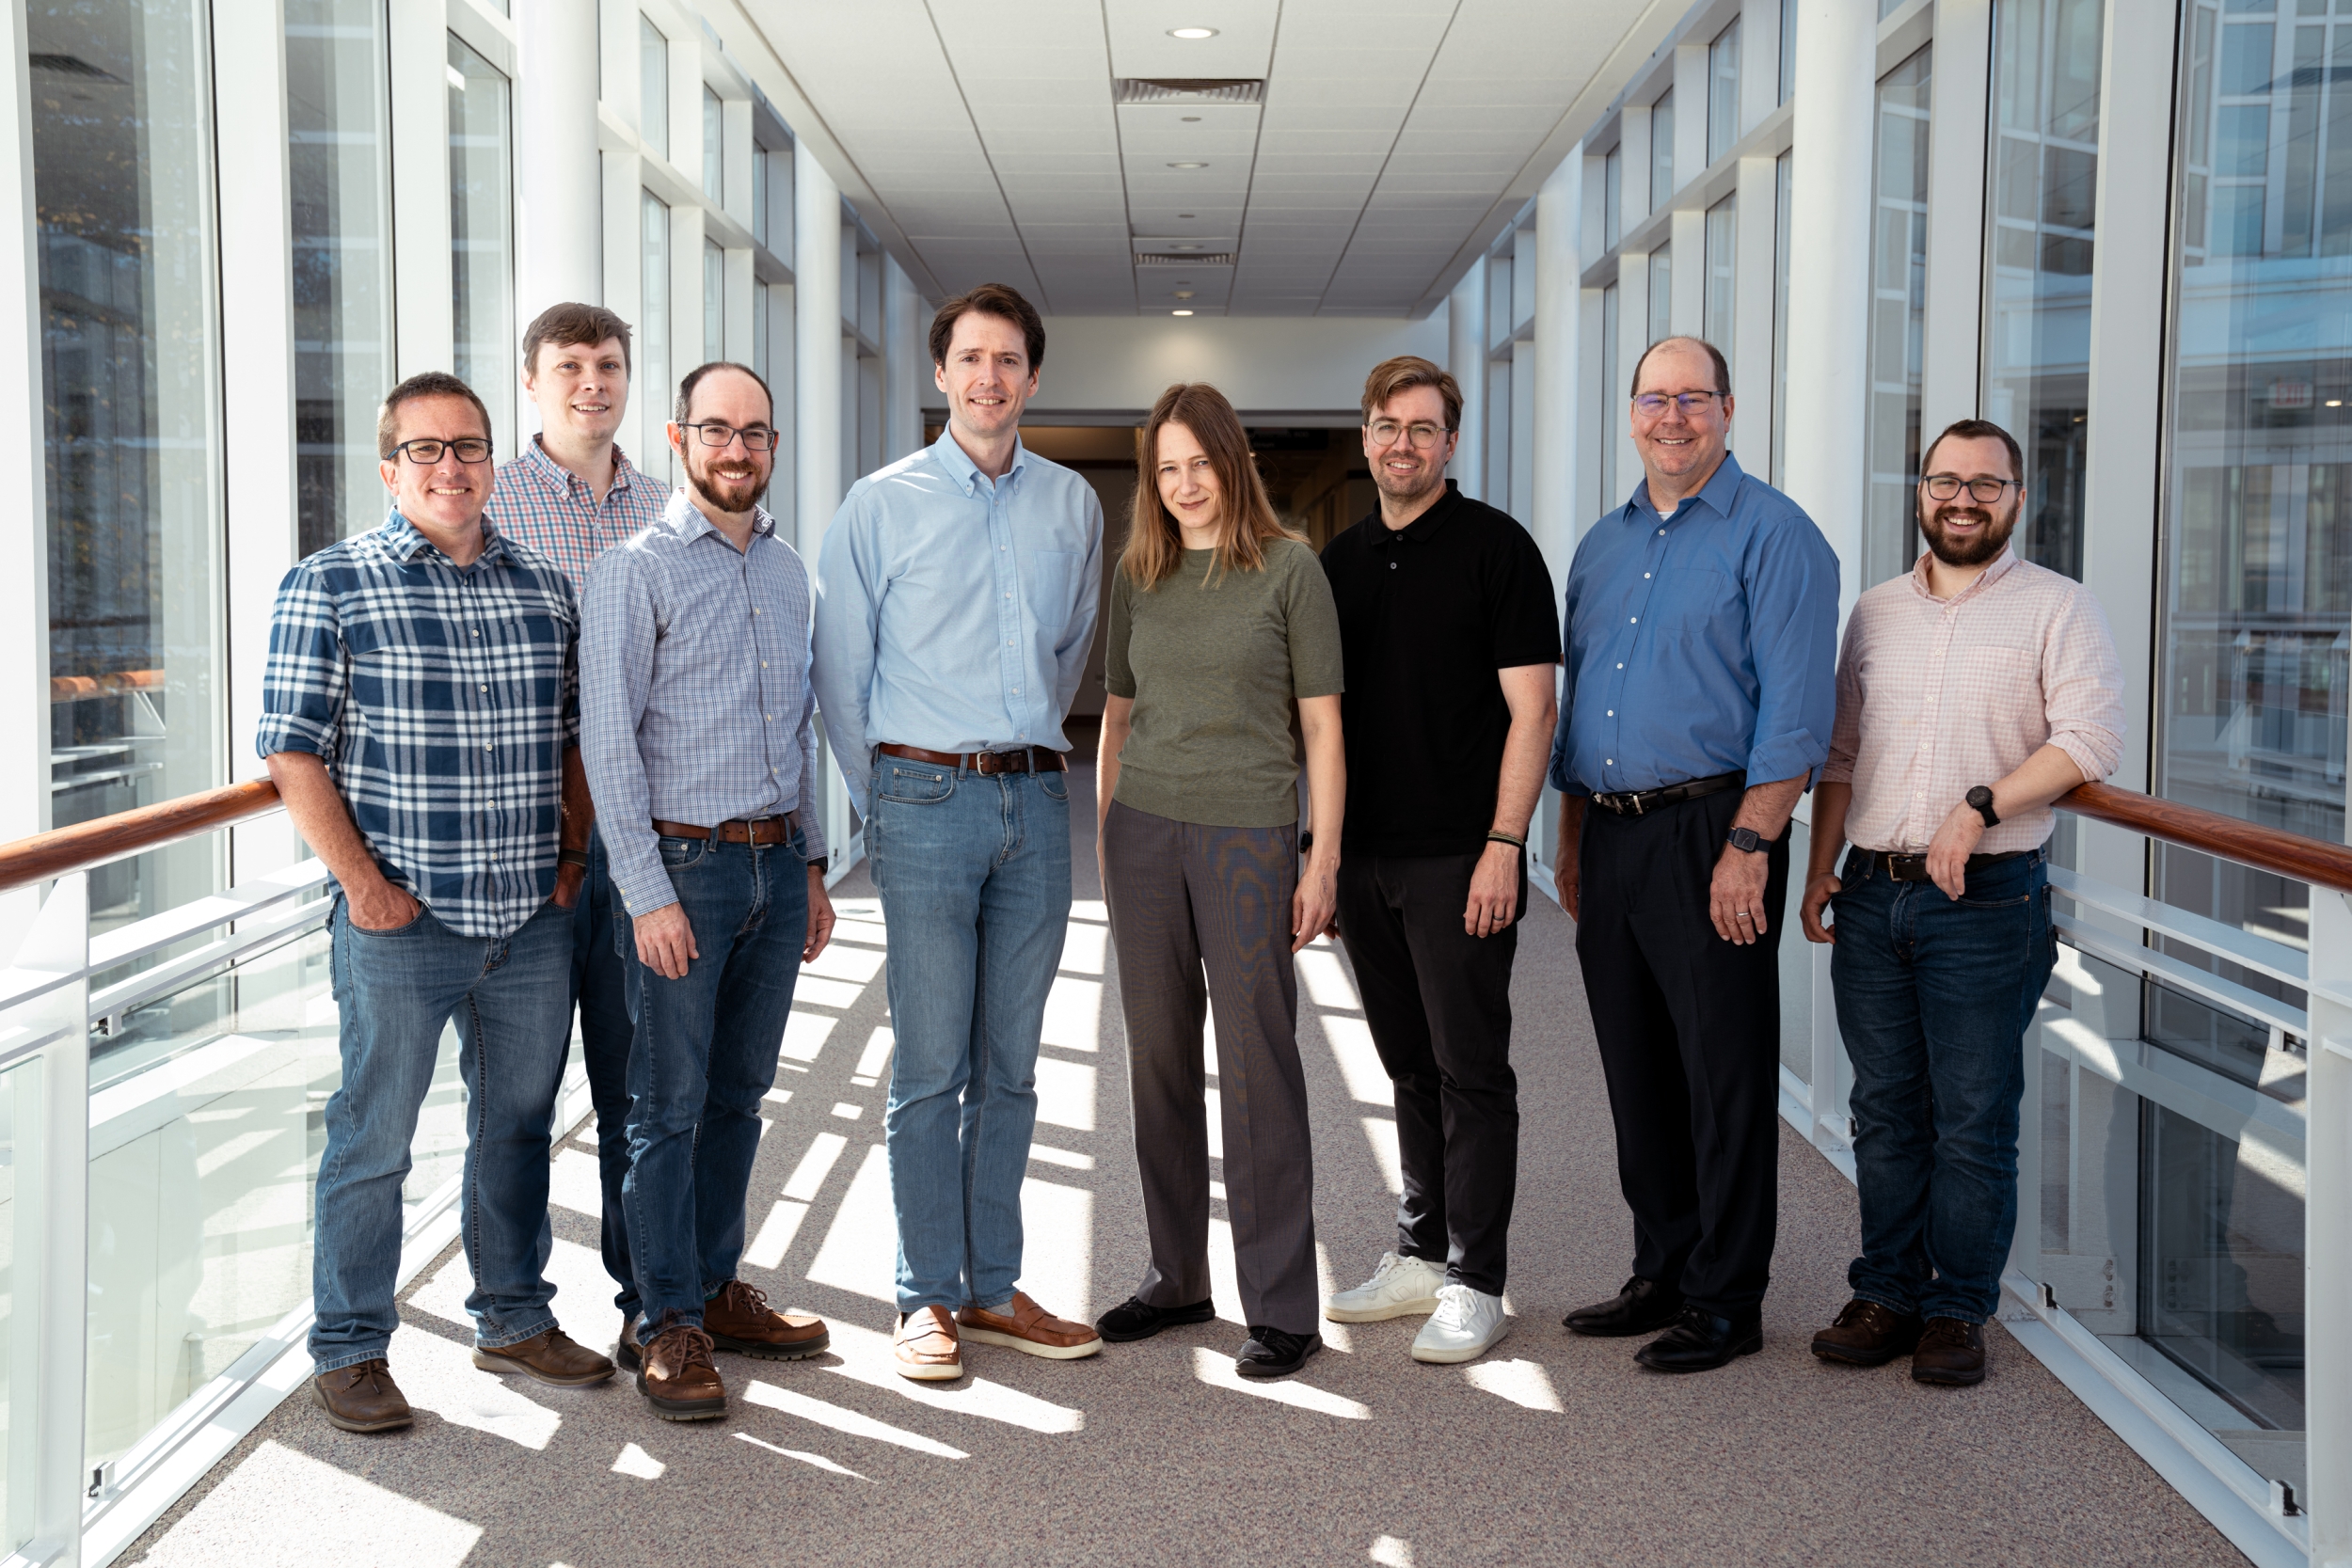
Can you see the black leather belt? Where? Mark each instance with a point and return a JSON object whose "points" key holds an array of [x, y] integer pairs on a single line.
{"points": [[1639, 802], [1914, 868]]}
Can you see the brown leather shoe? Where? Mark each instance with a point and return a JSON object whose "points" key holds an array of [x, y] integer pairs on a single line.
{"points": [[1950, 1352], [677, 1378], [926, 1348], [1868, 1334], [740, 1318], [626, 1350], [553, 1358], [362, 1398], [1025, 1326]]}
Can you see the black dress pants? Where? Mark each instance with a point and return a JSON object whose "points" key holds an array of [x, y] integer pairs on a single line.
{"points": [[1689, 1026], [1439, 1002]]}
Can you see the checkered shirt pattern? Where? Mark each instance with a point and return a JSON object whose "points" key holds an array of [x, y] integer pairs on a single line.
{"points": [[555, 511], [1935, 696], [696, 703], [442, 701]]}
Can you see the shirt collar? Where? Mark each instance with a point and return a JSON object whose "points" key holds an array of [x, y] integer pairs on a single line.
{"points": [[685, 519], [1717, 492], [964, 471], [2002, 565], [405, 541], [562, 478], [1425, 527]]}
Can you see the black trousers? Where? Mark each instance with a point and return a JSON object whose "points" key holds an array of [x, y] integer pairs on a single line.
{"points": [[1689, 1026], [1439, 1002]]}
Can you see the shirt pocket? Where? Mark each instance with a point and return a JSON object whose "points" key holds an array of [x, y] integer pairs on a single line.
{"points": [[1691, 603], [1048, 586], [527, 654]]}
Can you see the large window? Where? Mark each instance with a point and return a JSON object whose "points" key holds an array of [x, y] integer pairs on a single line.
{"points": [[482, 233], [338, 134], [1723, 92], [2043, 172], [653, 87], [654, 385], [1723, 235], [1611, 197], [714, 301], [1613, 398], [1899, 267], [1780, 169], [1661, 151], [1787, 49], [1661, 293], [714, 149], [130, 372]]}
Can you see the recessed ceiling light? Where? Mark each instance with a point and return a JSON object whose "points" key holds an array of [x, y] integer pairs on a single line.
{"points": [[1188, 247], [1192, 33], [2335, 403], [1192, 119], [1187, 165], [1184, 293], [1185, 214], [1179, 312]]}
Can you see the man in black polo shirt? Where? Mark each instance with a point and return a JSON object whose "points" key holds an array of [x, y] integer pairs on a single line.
{"points": [[1450, 643]]}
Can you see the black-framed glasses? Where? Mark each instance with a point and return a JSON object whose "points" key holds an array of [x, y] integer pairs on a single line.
{"points": [[716, 435], [1420, 432], [426, 450], [1654, 403], [1944, 487]]}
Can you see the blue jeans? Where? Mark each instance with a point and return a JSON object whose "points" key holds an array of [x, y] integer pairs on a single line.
{"points": [[601, 938], [394, 990], [1934, 999], [974, 873], [705, 1056]]}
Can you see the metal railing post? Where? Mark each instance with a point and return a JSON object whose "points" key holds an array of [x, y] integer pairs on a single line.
{"points": [[2328, 1235]]}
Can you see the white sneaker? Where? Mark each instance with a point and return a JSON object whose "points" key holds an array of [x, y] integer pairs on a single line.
{"points": [[1466, 1324], [1397, 1288]]}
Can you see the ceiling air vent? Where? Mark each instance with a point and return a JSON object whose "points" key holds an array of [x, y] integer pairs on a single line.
{"points": [[1184, 258], [1189, 89]]}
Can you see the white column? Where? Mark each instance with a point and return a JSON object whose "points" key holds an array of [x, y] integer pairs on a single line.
{"points": [[816, 357], [1950, 375], [1558, 205], [1466, 357], [906, 362], [421, 278], [559, 254], [1750, 350]]}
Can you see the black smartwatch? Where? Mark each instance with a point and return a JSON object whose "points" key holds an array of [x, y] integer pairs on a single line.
{"points": [[1746, 841], [1981, 799]]}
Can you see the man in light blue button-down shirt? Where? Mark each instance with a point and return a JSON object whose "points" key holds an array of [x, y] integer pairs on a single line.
{"points": [[956, 600]]}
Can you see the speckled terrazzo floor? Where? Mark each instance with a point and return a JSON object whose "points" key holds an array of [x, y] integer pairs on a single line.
{"points": [[1555, 1449]]}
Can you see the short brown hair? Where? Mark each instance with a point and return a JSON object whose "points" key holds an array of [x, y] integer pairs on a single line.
{"points": [[990, 299], [1245, 518], [424, 384], [1723, 366], [1407, 371], [685, 405], [573, 323], [1977, 430]]}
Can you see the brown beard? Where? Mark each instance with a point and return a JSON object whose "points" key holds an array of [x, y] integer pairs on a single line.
{"points": [[735, 496], [1988, 544]]}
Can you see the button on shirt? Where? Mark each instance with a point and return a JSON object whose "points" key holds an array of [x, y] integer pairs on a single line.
{"points": [[1936, 696], [954, 614], [697, 707], [441, 699], [546, 506], [1698, 644]]}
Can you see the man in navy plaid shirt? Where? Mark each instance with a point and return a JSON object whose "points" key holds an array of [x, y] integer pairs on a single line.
{"points": [[421, 720]]}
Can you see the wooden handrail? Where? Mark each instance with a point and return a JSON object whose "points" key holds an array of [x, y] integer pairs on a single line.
{"points": [[131, 832], [2273, 849]]}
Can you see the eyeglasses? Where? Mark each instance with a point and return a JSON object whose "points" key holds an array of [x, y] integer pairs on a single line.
{"points": [[1654, 403], [1422, 435], [426, 450], [715, 434], [1945, 487]]}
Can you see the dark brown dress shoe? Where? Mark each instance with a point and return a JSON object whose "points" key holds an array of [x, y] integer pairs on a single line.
{"points": [[740, 1318], [1868, 1334], [1701, 1341], [677, 1378], [1950, 1352], [553, 1358], [1644, 1307], [362, 1398]]}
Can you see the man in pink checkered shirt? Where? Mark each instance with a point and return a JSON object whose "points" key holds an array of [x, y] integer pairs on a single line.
{"points": [[1972, 692], [573, 495]]}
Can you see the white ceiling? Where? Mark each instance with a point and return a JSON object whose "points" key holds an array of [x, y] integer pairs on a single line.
{"points": [[1396, 136]]}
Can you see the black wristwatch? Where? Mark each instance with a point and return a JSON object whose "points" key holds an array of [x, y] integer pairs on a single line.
{"points": [[1747, 841], [1981, 799]]}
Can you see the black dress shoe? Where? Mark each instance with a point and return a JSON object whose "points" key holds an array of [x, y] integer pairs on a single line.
{"points": [[1644, 1307], [1701, 1341], [1136, 1319], [1271, 1353]]}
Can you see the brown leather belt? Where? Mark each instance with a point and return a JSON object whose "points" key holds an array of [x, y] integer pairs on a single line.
{"points": [[765, 830], [1021, 759], [1914, 868]]}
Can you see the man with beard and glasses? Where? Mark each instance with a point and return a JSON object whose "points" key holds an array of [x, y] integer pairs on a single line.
{"points": [[699, 735], [1972, 692], [1451, 653]]}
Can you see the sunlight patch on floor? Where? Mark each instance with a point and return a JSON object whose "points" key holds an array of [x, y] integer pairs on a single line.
{"points": [[1525, 1384], [849, 1422], [1218, 1373], [866, 1359]]}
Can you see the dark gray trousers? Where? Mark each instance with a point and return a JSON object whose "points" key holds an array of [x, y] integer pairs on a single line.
{"points": [[1184, 899]]}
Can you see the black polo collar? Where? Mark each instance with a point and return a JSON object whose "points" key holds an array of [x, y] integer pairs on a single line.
{"points": [[1430, 523]]}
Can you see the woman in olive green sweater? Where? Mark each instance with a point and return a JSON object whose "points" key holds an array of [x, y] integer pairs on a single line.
{"points": [[1222, 627]]}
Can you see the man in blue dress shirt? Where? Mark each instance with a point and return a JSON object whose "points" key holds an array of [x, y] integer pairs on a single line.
{"points": [[1701, 649], [956, 600]]}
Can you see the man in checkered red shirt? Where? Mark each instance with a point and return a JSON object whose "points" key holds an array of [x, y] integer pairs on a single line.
{"points": [[1972, 692]]}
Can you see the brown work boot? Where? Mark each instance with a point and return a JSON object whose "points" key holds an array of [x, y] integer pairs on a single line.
{"points": [[740, 1318], [927, 1349], [362, 1397], [1950, 1352], [553, 1356], [1025, 1326], [1868, 1334], [677, 1378]]}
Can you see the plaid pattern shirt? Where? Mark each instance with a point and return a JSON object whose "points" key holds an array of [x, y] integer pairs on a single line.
{"points": [[555, 511], [442, 701], [696, 705]]}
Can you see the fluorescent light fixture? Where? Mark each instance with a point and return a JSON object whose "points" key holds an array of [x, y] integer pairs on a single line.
{"points": [[1191, 33], [1179, 312], [1187, 165]]}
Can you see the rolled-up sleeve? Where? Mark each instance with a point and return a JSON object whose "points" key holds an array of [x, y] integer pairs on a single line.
{"points": [[2082, 686], [1792, 628], [618, 625], [1845, 735], [843, 642], [305, 684]]}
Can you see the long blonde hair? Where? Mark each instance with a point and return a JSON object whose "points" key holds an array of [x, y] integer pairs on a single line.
{"points": [[1245, 519]]}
